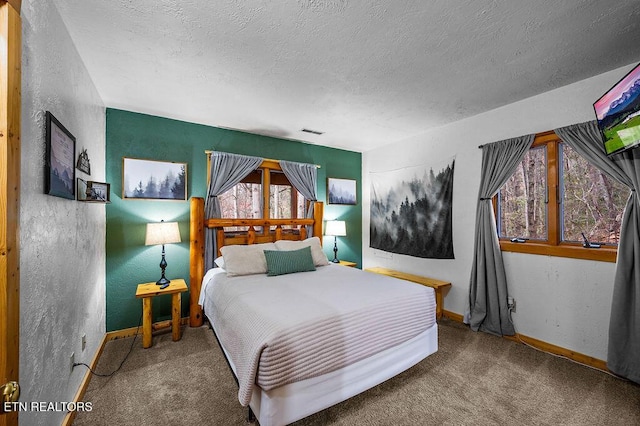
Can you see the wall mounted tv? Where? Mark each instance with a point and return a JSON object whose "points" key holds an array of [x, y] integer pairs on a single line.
{"points": [[618, 113]]}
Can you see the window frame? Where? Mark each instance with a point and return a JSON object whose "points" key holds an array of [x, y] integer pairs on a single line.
{"points": [[266, 167], [554, 246]]}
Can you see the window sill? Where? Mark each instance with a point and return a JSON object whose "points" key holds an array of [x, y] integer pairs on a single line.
{"points": [[574, 251]]}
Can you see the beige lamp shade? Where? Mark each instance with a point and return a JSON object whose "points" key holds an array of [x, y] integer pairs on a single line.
{"points": [[162, 233], [335, 228]]}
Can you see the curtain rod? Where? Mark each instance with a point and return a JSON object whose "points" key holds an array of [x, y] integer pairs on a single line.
{"points": [[209, 152]]}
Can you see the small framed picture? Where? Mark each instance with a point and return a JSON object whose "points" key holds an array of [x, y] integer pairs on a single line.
{"points": [[99, 192], [60, 173], [341, 191], [153, 180]]}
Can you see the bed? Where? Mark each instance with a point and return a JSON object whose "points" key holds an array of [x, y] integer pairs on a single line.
{"points": [[301, 341]]}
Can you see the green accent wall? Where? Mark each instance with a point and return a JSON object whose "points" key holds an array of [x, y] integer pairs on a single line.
{"points": [[130, 262]]}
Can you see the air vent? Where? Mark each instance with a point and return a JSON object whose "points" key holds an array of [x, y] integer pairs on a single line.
{"points": [[313, 132]]}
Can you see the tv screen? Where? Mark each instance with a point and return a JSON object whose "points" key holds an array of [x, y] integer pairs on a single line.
{"points": [[618, 113]]}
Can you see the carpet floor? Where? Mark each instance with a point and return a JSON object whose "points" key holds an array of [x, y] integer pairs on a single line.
{"points": [[473, 379]]}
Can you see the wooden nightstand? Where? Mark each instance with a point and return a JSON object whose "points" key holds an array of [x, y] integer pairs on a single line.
{"points": [[146, 292], [347, 263]]}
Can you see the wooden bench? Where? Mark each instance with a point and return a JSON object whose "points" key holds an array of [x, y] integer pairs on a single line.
{"points": [[437, 285]]}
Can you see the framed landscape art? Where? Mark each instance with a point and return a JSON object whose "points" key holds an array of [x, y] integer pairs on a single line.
{"points": [[153, 180], [60, 173], [341, 191]]}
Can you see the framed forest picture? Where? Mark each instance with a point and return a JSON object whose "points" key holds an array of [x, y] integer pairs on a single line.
{"points": [[153, 180], [60, 161], [341, 191]]}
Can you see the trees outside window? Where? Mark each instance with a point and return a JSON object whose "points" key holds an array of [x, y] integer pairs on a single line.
{"points": [[245, 200], [592, 202], [284, 200], [522, 203]]}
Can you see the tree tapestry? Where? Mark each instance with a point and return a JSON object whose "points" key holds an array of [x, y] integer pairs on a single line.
{"points": [[411, 211]]}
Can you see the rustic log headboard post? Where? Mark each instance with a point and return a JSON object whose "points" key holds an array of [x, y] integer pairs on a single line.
{"points": [[196, 259], [318, 207]]}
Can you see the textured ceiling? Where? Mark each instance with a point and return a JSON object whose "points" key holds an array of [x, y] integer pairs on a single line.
{"points": [[367, 73]]}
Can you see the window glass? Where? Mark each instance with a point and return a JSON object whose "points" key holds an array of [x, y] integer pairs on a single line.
{"points": [[522, 207], [592, 202], [243, 201], [284, 199], [280, 202]]}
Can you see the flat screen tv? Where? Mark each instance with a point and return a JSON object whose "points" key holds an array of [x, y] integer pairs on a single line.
{"points": [[618, 113]]}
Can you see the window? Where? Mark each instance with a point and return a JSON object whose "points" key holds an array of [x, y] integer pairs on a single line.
{"points": [[555, 196], [246, 199], [284, 200], [243, 201]]}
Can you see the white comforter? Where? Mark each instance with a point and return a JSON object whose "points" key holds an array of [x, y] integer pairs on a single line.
{"points": [[279, 330]]}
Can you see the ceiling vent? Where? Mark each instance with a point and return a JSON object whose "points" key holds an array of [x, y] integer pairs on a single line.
{"points": [[313, 132]]}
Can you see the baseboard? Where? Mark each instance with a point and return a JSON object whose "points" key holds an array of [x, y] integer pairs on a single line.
{"points": [[111, 335], [452, 316], [71, 415], [130, 332], [546, 347]]}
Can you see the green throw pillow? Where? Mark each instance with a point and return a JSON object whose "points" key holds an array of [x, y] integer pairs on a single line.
{"points": [[287, 262]]}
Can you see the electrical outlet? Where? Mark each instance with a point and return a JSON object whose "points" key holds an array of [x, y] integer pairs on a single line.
{"points": [[72, 360], [511, 304], [84, 341]]}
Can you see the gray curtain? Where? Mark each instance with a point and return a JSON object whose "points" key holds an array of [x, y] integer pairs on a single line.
{"points": [[227, 170], [488, 310], [623, 357], [304, 177]]}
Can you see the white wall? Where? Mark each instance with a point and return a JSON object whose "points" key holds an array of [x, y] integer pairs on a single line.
{"points": [[562, 301], [62, 253]]}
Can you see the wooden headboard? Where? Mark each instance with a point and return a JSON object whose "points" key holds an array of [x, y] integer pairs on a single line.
{"points": [[198, 224]]}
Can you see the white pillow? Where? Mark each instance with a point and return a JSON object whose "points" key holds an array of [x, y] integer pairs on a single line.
{"points": [[219, 261], [319, 258], [246, 260]]}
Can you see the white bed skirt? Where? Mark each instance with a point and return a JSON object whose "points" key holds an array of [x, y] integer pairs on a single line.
{"points": [[294, 401]]}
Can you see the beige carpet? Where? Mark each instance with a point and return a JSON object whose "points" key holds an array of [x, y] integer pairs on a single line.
{"points": [[473, 379]]}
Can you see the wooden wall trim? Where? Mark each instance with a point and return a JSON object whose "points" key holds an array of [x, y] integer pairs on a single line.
{"points": [[16, 4], [133, 331], [587, 360], [71, 415], [10, 105]]}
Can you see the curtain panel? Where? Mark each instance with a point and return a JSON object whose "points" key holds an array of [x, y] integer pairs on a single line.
{"points": [[488, 291], [227, 170], [623, 356], [304, 178]]}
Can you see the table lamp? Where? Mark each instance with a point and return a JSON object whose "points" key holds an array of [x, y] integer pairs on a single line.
{"points": [[335, 228], [162, 233]]}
